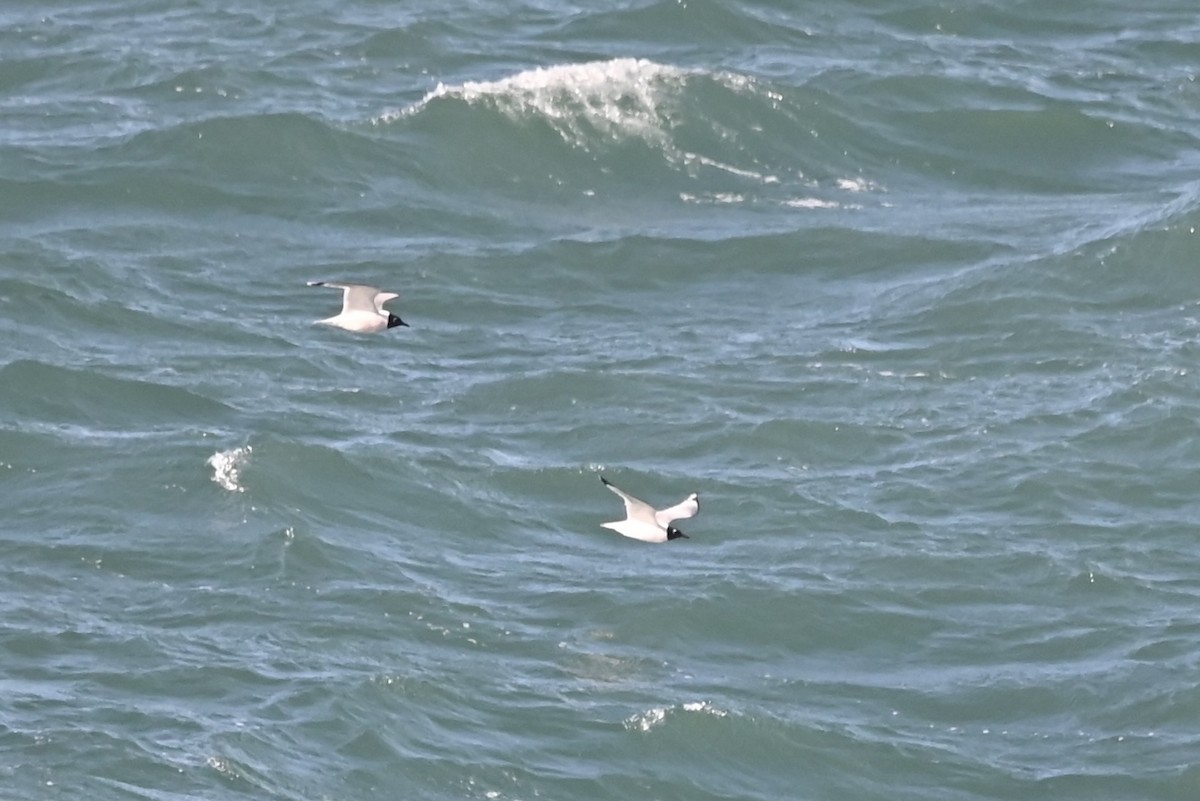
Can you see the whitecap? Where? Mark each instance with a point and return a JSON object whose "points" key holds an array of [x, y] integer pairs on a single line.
{"points": [[227, 465], [811, 203], [713, 198], [620, 98], [856, 185], [656, 716]]}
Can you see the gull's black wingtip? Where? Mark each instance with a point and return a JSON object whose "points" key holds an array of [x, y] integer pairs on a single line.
{"points": [[316, 283], [605, 481]]}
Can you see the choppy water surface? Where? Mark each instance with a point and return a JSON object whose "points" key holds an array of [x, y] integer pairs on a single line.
{"points": [[905, 291]]}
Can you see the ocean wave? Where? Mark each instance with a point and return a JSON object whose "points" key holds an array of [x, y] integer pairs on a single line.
{"points": [[656, 716], [619, 98], [55, 395], [740, 139]]}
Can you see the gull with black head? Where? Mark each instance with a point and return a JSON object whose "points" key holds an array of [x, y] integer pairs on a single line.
{"points": [[644, 522], [362, 308]]}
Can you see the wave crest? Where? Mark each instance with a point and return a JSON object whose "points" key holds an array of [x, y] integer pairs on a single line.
{"points": [[618, 99], [656, 716], [741, 139], [227, 467]]}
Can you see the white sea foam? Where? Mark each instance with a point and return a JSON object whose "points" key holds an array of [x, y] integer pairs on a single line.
{"points": [[811, 203], [227, 465], [856, 185], [656, 716], [696, 159], [619, 98], [713, 198], [595, 103]]}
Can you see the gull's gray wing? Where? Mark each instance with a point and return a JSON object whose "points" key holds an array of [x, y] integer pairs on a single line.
{"points": [[356, 297], [382, 298], [680, 511], [634, 509]]}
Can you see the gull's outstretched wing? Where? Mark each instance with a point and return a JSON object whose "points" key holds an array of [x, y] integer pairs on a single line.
{"points": [[382, 298], [634, 509], [680, 511], [355, 297]]}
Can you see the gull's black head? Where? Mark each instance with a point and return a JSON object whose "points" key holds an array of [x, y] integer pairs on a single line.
{"points": [[394, 320], [674, 534]]}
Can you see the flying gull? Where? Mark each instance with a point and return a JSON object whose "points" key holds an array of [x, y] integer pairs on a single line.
{"points": [[644, 522], [362, 308]]}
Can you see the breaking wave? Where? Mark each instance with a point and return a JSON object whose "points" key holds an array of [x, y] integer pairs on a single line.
{"points": [[656, 716], [747, 140], [227, 466]]}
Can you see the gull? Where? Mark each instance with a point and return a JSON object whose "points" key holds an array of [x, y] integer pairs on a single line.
{"points": [[362, 308], [644, 522]]}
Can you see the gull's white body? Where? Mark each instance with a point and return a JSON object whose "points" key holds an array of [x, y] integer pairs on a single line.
{"points": [[362, 308], [644, 522]]}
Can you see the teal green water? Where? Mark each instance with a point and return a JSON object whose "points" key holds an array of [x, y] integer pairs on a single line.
{"points": [[905, 291]]}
